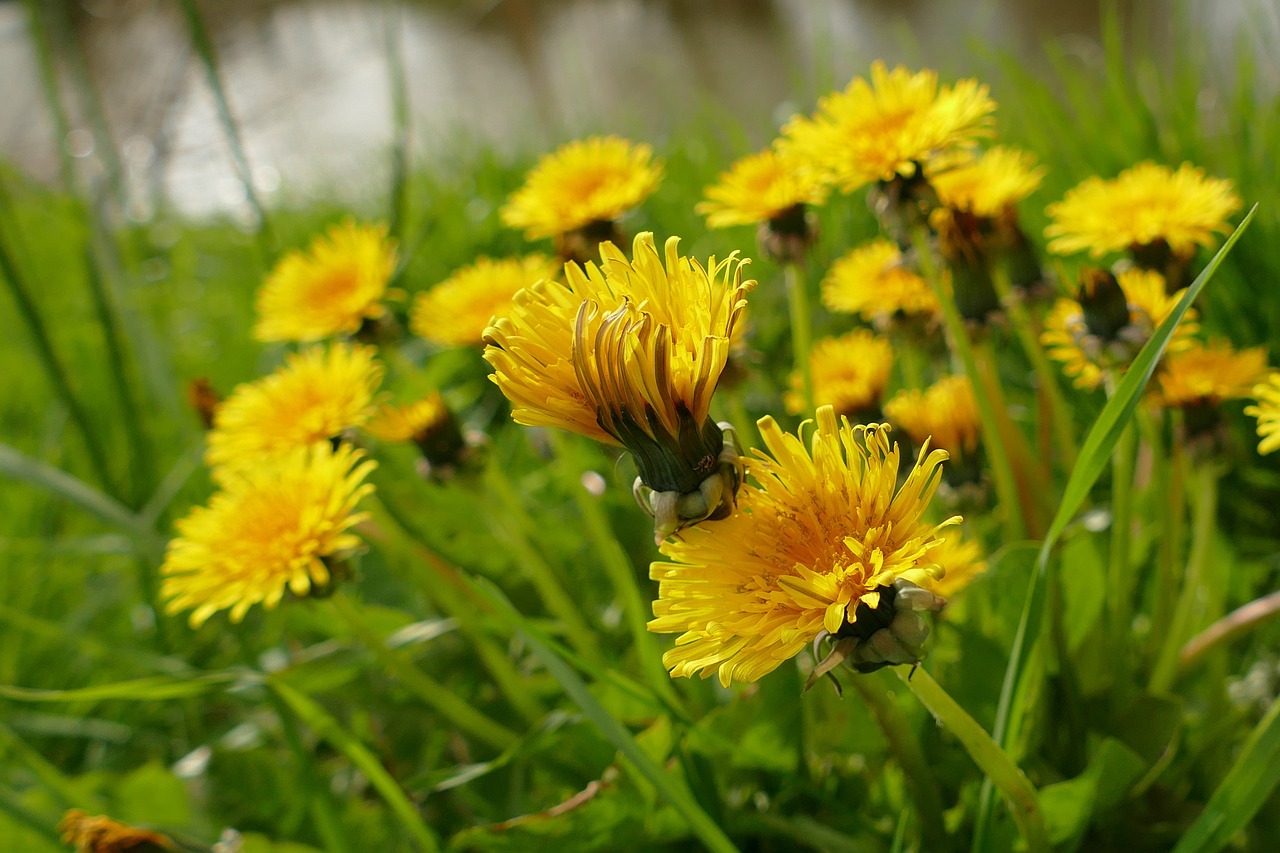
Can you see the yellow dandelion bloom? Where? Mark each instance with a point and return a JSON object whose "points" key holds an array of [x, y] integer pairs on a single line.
{"points": [[960, 560], [1085, 355], [313, 397], [878, 130], [989, 184], [848, 373], [1267, 412], [274, 527], [1208, 374], [330, 289], [873, 282], [759, 188], [101, 834], [581, 183], [458, 310], [823, 530], [945, 414], [1144, 205], [408, 422]]}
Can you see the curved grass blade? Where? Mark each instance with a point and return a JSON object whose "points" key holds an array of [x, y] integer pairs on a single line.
{"points": [[1093, 460], [332, 731], [151, 689]]}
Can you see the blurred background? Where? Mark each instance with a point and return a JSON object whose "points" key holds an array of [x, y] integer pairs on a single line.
{"points": [[309, 83]]}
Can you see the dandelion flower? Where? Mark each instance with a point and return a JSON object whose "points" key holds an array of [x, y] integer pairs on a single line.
{"points": [[1267, 412], [278, 526], [1143, 206], [101, 834], [848, 372], [1206, 375], [628, 352], [458, 310], [331, 289], [987, 185], [313, 397], [760, 188], [884, 129], [428, 423], [583, 183], [1118, 315], [874, 282], [819, 541], [960, 560], [944, 414]]}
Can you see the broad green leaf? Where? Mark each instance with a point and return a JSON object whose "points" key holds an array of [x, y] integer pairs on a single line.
{"points": [[1070, 806]]}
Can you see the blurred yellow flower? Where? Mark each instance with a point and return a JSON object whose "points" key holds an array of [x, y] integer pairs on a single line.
{"points": [[276, 526], [988, 184], [759, 188], [945, 412], [818, 540], [849, 373], [889, 127], [410, 421], [458, 310], [873, 282], [1142, 206], [1267, 412], [583, 182], [101, 834], [1086, 353], [313, 397], [330, 289], [960, 560], [1208, 374]]}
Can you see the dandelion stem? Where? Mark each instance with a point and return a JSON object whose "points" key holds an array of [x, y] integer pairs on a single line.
{"points": [[801, 328], [439, 697], [1118, 577], [1169, 483], [1017, 789]]}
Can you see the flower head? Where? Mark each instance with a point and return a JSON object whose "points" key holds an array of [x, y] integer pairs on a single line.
{"points": [[816, 543], [986, 185], [429, 424], [1092, 337], [317, 394], [275, 527], [849, 373], [1208, 374], [458, 310], [584, 182], [944, 414], [330, 289], [101, 834], [1142, 206], [1267, 412], [886, 128], [960, 560], [760, 188], [874, 282]]}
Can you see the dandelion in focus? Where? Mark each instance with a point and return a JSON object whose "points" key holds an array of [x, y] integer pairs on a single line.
{"points": [[333, 288], [283, 525], [456, 312], [849, 374], [824, 543]]}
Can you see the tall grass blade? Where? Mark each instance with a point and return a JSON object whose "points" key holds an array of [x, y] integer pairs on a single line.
{"points": [[154, 688]]}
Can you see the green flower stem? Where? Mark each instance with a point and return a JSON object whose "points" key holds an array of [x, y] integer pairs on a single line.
{"points": [[1029, 478], [553, 594], [1169, 473], [1119, 579], [620, 571], [319, 801], [1204, 524], [436, 695], [1017, 789], [912, 361], [958, 335], [906, 747], [801, 329]]}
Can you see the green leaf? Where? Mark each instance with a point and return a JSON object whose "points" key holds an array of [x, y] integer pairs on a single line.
{"points": [[1093, 460], [1070, 806], [1246, 787], [151, 796]]}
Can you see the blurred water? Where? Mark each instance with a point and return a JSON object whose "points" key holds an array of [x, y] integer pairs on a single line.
{"points": [[309, 82]]}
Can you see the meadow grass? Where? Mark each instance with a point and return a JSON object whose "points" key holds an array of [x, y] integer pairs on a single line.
{"points": [[438, 696]]}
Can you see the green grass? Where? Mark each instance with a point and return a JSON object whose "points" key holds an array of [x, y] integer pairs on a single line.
{"points": [[300, 728]]}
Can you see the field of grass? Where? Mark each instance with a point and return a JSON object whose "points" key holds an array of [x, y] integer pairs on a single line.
{"points": [[486, 681]]}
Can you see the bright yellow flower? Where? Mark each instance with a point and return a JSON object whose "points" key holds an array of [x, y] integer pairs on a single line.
{"points": [[276, 526], [821, 531], [584, 182], [408, 422], [1142, 206], [848, 373], [1268, 413], [873, 282], [458, 310], [960, 559], [1084, 355], [330, 289], [1207, 375], [989, 184], [759, 188], [101, 834], [945, 413], [878, 130], [313, 397]]}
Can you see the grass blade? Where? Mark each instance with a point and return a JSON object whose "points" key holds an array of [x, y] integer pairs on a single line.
{"points": [[151, 689], [1092, 461]]}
